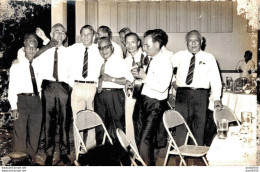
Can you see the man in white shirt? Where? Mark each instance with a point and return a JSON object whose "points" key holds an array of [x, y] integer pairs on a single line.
{"points": [[246, 66], [110, 98], [53, 66], [104, 31], [197, 73], [23, 95], [150, 106]]}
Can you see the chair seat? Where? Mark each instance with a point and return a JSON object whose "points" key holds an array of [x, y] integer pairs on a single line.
{"points": [[191, 150]]}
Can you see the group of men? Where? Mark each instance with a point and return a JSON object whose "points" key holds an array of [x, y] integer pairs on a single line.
{"points": [[95, 75]]}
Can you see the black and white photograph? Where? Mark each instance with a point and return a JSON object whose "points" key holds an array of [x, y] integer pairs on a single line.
{"points": [[129, 83]]}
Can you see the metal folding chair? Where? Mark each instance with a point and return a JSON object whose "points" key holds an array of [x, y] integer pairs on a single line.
{"points": [[225, 113], [172, 118], [86, 120], [129, 148]]}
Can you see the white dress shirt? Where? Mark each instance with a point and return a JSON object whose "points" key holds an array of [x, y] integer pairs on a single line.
{"points": [[206, 72], [245, 67], [45, 63], [95, 61], [117, 50], [158, 77], [116, 67], [137, 57], [20, 79]]}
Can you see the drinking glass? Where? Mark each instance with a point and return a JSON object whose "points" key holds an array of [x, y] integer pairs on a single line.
{"points": [[222, 128]]}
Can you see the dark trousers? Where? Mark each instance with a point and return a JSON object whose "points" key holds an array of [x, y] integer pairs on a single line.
{"points": [[56, 106], [110, 106], [27, 126], [146, 118], [192, 105]]}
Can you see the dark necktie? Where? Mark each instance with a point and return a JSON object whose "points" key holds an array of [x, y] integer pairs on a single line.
{"points": [[55, 66], [149, 62], [102, 72], [191, 70], [35, 89], [133, 63], [85, 64], [146, 60]]}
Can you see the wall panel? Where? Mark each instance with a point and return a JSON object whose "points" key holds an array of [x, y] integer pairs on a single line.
{"points": [[171, 16]]}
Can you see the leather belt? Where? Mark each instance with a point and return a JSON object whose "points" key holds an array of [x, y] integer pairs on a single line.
{"points": [[28, 94], [191, 88], [112, 89], [89, 82]]}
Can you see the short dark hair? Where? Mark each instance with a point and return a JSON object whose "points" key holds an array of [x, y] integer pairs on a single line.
{"points": [[137, 37], [164, 36], [30, 37], [191, 32], [125, 30], [107, 30], [249, 54], [156, 36], [87, 27]]}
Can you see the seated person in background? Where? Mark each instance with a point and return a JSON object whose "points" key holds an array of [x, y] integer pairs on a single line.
{"points": [[246, 66]]}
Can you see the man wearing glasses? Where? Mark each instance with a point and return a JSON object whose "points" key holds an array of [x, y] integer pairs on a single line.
{"points": [[109, 102], [53, 66], [23, 95]]}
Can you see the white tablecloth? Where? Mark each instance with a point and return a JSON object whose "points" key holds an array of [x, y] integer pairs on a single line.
{"points": [[233, 151], [240, 102]]}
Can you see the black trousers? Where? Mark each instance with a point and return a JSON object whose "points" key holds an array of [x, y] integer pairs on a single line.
{"points": [[192, 105], [110, 106], [56, 107], [146, 118], [27, 126]]}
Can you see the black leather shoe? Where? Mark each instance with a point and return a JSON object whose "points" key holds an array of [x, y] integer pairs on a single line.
{"points": [[48, 161], [65, 159]]}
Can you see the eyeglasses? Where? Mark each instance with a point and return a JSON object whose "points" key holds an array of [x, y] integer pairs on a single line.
{"points": [[104, 48], [31, 48]]}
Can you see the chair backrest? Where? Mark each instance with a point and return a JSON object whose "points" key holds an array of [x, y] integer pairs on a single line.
{"points": [[87, 119], [225, 113], [128, 147], [172, 118]]}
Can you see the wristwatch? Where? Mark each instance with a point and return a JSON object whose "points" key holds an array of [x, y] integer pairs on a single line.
{"points": [[113, 79]]}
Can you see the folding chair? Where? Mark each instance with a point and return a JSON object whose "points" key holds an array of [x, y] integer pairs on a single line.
{"points": [[129, 148], [225, 113], [172, 118], [86, 120]]}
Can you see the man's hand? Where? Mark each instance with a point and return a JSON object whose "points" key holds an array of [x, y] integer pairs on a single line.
{"points": [[141, 74], [40, 33], [15, 114], [218, 104], [106, 77]]}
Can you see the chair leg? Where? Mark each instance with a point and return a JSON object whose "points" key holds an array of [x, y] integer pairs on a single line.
{"points": [[166, 159], [182, 160], [205, 161]]}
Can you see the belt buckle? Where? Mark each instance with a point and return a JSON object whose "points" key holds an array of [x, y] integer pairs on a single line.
{"points": [[193, 88]]}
